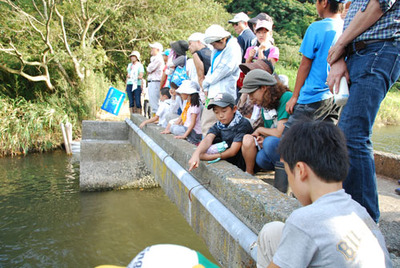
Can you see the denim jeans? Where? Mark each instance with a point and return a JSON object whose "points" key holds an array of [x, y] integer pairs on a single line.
{"points": [[373, 71], [268, 155]]}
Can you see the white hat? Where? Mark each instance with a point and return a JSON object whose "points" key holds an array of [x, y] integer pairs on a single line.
{"points": [[215, 33], [239, 17], [157, 45], [196, 37], [188, 87], [136, 54], [264, 24]]}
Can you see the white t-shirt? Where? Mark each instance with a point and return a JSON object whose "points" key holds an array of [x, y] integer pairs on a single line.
{"points": [[162, 111], [334, 231]]}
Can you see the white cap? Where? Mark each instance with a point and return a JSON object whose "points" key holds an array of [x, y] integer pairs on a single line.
{"points": [[264, 24], [136, 54], [215, 33], [188, 87], [196, 37], [239, 17], [157, 45]]}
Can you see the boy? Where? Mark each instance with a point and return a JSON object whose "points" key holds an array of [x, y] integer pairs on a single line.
{"points": [[311, 96], [331, 230], [230, 127], [162, 111]]}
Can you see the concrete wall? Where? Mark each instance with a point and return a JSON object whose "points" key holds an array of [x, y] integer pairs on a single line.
{"points": [[387, 164], [108, 159], [248, 198]]}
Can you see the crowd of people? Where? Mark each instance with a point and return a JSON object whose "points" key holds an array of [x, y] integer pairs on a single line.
{"points": [[228, 100]]}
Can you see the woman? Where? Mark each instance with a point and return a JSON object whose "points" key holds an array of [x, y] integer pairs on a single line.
{"points": [[134, 82], [264, 48], [260, 147]]}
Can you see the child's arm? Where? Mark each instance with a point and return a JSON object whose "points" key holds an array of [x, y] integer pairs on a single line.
{"points": [[277, 132], [200, 150], [302, 74], [190, 127], [151, 120]]}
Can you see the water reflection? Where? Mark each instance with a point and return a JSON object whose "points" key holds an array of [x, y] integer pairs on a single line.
{"points": [[46, 222]]}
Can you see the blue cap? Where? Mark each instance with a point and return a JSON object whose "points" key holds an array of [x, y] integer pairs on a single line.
{"points": [[166, 52]]}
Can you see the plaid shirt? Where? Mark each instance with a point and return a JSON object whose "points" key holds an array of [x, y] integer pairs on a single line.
{"points": [[387, 27]]}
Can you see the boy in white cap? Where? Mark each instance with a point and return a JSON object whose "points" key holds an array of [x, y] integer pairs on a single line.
{"points": [[134, 82], [245, 35], [154, 71], [224, 70]]}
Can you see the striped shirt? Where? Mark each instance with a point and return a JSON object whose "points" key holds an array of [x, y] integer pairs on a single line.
{"points": [[387, 27]]}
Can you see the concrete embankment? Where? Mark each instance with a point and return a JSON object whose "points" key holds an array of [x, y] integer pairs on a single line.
{"points": [[225, 206]]}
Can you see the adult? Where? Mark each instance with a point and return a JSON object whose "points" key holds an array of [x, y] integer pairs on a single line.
{"points": [[370, 44], [224, 70], [154, 73], [265, 91], [264, 48], [134, 82], [177, 67], [201, 55], [245, 35]]}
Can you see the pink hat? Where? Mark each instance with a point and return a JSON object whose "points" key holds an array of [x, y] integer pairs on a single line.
{"points": [[264, 24]]}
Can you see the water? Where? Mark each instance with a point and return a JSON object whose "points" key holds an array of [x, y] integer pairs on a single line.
{"points": [[386, 139], [46, 222]]}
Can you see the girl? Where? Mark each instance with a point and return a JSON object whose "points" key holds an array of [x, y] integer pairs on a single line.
{"points": [[264, 48], [188, 125]]}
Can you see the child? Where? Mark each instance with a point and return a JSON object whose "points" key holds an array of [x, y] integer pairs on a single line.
{"points": [[231, 126], [162, 110], [188, 125], [311, 96], [331, 230]]}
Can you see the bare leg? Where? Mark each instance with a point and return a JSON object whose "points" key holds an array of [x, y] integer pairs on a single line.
{"points": [[249, 152], [166, 130]]}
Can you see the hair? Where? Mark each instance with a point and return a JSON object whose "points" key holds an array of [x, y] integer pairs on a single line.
{"points": [[195, 99], [165, 91], [321, 145], [173, 85], [273, 95], [334, 6]]}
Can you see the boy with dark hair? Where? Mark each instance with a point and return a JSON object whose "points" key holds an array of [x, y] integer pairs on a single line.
{"points": [[162, 111], [230, 127], [331, 230], [311, 95]]}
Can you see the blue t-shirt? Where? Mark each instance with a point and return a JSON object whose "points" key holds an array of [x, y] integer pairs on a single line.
{"points": [[319, 38]]}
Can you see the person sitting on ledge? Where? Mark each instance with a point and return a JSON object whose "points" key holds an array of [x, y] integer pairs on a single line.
{"points": [[230, 127], [331, 230]]}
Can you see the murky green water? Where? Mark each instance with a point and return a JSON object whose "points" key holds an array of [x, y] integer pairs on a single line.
{"points": [[386, 139], [46, 222]]}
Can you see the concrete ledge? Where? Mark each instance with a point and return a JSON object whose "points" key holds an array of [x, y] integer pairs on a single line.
{"points": [[104, 130], [250, 199], [387, 164]]}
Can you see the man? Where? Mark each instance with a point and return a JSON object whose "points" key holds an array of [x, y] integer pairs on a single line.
{"points": [[154, 71], [370, 41], [201, 55], [245, 35], [224, 70]]}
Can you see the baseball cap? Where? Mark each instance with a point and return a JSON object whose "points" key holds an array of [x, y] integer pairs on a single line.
{"points": [[261, 16], [264, 24], [255, 79], [215, 33], [157, 45], [262, 64], [221, 100], [166, 52], [188, 87], [239, 17], [196, 37], [136, 54]]}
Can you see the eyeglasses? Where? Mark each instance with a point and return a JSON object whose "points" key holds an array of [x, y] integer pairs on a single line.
{"points": [[215, 42]]}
